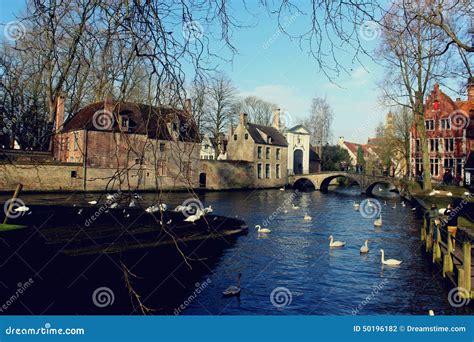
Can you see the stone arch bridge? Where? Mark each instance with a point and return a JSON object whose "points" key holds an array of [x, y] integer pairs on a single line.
{"points": [[321, 181]]}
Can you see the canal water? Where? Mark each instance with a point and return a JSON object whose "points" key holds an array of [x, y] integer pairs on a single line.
{"points": [[292, 270]]}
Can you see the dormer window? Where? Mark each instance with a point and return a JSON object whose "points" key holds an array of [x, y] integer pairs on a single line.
{"points": [[124, 121], [269, 140]]}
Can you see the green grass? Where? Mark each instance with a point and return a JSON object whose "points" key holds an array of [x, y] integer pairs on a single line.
{"points": [[7, 227]]}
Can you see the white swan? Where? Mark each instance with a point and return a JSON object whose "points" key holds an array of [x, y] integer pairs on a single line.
{"points": [[356, 205], [282, 189], [450, 194], [295, 207], [152, 209], [109, 196], [92, 202], [403, 204], [182, 208], [195, 217], [333, 243], [21, 209], [365, 248], [114, 205], [208, 210], [307, 217], [132, 203], [394, 206], [378, 222], [233, 290], [413, 209], [390, 262], [431, 312], [155, 208], [262, 230]]}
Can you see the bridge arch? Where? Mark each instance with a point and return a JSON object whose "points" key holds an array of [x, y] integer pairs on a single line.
{"points": [[372, 185], [326, 181], [304, 184]]}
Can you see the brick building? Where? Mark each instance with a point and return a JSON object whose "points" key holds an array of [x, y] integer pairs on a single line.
{"points": [[265, 147], [447, 125], [130, 144]]}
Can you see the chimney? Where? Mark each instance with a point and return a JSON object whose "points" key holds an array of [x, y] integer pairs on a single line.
{"points": [[243, 119], [59, 112], [188, 107], [341, 141], [276, 118], [109, 104], [470, 89]]}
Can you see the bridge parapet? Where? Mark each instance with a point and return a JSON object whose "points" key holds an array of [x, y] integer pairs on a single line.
{"points": [[321, 180]]}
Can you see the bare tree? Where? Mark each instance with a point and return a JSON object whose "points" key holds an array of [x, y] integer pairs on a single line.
{"points": [[221, 94], [411, 50], [319, 122], [258, 110]]}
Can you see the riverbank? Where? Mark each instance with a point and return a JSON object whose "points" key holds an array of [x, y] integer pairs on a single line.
{"points": [[450, 254]]}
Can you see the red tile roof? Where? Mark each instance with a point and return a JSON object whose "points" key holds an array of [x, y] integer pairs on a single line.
{"points": [[143, 119]]}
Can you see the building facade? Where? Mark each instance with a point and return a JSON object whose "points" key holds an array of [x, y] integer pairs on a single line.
{"points": [[208, 152], [129, 145], [265, 147], [447, 125], [299, 149]]}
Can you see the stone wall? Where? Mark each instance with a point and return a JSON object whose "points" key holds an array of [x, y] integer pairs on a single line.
{"points": [[41, 177], [226, 175], [55, 176]]}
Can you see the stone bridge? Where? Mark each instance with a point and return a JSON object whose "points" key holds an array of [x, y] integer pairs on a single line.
{"points": [[321, 181]]}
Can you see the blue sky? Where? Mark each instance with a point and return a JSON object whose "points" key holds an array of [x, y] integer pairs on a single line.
{"points": [[273, 67]]}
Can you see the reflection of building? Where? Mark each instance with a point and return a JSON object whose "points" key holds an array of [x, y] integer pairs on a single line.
{"points": [[137, 145], [298, 150], [447, 125], [264, 146]]}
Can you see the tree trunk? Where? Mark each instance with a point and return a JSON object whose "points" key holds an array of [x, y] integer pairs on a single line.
{"points": [[421, 130]]}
